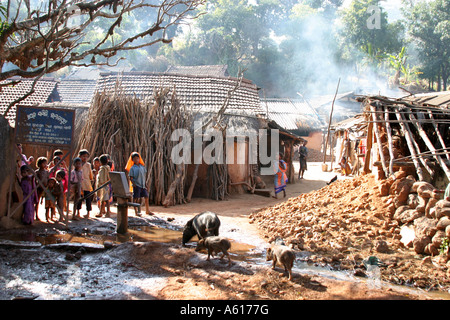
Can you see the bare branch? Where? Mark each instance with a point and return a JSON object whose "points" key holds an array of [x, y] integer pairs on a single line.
{"points": [[45, 42], [20, 99]]}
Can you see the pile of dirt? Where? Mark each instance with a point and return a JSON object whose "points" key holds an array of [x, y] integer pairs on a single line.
{"points": [[347, 222]]}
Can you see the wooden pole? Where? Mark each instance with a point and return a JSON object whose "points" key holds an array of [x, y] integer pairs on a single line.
{"points": [[430, 146], [368, 148], [170, 193], [391, 145], [68, 187], [329, 123], [191, 187], [380, 147], [441, 140], [409, 142]]}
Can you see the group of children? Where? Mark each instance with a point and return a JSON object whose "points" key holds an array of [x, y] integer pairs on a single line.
{"points": [[53, 184]]}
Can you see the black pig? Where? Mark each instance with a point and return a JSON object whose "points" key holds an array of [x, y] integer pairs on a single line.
{"points": [[203, 225]]}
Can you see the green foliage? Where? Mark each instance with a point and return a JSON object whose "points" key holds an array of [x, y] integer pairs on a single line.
{"points": [[428, 24], [373, 42], [444, 246], [3, 23]]}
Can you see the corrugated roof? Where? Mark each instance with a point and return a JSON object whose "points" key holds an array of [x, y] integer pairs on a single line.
{"points": [[355, 123], [202, 93], [76, 91], [292, 114], [44, 91], [206, 70]]}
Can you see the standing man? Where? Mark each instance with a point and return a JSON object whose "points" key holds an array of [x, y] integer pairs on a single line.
{"points": [[303, 153]]}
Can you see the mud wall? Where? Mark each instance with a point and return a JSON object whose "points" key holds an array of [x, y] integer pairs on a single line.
{"points": [[6, 163]]}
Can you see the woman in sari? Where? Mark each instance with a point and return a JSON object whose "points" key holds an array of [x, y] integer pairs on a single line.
{"points": [[280, 176]]}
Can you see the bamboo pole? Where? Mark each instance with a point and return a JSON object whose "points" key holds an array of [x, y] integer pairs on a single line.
{"points": [[430, 146], [380, 147], [368, 148], [329, 123], [441, 140], [412, 150], [390, 144]]}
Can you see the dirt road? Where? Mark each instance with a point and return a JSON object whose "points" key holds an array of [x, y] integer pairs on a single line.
{"points": [[155, 266]]}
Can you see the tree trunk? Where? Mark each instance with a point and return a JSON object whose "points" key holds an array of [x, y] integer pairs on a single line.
{"points": [[194, 179]]}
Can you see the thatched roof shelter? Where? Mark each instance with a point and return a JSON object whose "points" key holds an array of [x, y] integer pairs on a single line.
{"points": [[413, 131]]}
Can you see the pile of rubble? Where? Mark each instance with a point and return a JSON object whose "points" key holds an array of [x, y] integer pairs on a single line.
{"points": [[420, 210], [397, 220]]}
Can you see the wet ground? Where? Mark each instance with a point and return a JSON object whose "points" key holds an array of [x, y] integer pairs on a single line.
{"points": [[91, 261]]}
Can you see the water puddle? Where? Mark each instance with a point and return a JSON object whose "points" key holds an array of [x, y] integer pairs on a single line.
{"points": [[138, 234], [239, 251]]}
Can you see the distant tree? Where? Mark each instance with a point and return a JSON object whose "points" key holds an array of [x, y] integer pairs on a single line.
{"points": [[39, 37], [367, 35], [429, 26]]}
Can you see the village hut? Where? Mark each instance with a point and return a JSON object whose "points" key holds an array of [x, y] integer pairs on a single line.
{"points": [[299, 118], [411, 133], [17, 90], [215, 101], [349, 139], [205, 70], [345, 105]]}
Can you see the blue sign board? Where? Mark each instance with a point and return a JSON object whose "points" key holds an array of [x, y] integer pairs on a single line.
{"points": [[47, 126]]}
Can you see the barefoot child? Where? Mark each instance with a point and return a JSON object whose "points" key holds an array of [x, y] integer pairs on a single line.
{"points": [[65, 180], [138, 175], [76, 179], [103, 194], [43, 175], [50, 199], [86, 184], [59, 190]]}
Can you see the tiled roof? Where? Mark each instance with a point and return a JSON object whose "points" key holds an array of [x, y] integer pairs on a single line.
{"points": [[44, 92], [292, 114], [202, 93], [208, 70], [76, 91]]}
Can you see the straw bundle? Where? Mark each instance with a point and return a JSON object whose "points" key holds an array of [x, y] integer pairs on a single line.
{"points": [[119, 124]]}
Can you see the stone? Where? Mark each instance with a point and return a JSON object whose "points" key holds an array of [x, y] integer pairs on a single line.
{"points": [[420, 243], [401, 188], [426, 260], [424, 226], [430, 205], [382, 246], [413, 200], [431, 249], [406, 216], [443, 223], [438, 238], [423, 189], [384, 187], [441, 212]]}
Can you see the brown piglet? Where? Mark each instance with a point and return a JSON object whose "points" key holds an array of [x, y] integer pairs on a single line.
{"points": [[283, 255], [215, 244]]}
